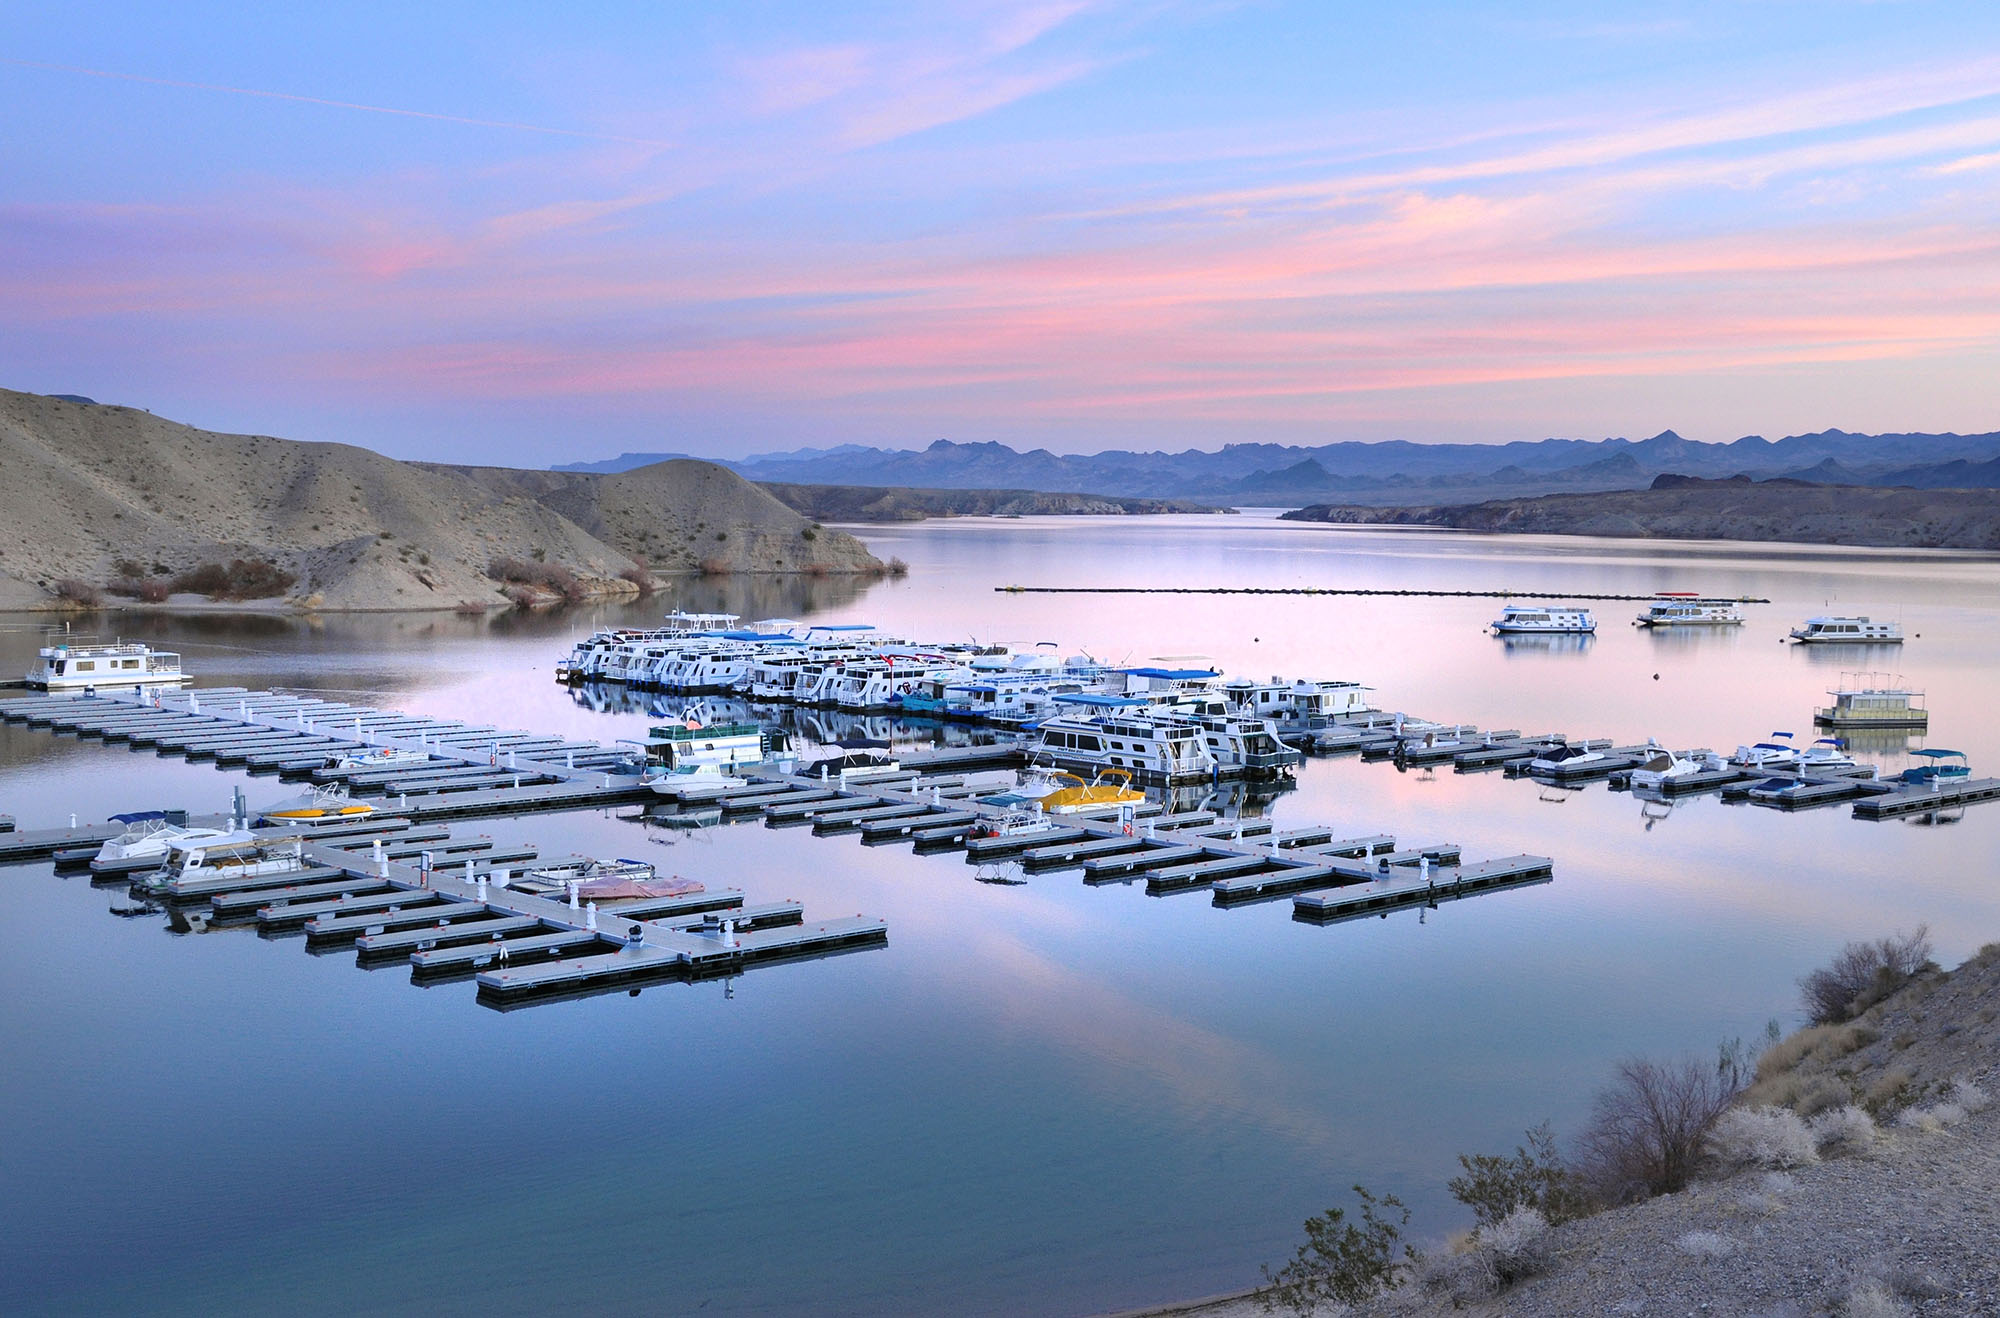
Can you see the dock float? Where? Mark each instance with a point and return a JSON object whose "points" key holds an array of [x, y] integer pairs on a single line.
{"points": [[1919, 800], [1378, 897]]}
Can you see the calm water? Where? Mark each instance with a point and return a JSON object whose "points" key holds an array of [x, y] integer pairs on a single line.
{"points": [[1048, 1098]]}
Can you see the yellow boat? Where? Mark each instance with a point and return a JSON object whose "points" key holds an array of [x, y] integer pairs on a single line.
{"points": [[320, 803], [1110, 787]]}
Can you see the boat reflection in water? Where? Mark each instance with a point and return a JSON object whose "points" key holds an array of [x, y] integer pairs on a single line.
{"points": [[1522, 644], [808, 727]]}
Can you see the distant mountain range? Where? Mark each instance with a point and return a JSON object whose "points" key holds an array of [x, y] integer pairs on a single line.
{"points": [[1389, 472]]}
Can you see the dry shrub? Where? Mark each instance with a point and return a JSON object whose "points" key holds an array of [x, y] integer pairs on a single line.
{"points": [[1705, 1245], [1794, 1048], [640, 575], [548, 576], [241, 579], [1518, 1245], [1871, 1299], [1843, 1130], [898, 568], [521, 597], [71, 591], [715, 567], [1890, 1091], [1822, 1095], [470, 608], [1495, 1187], [1649, 1126], [1769, 1137], [1863, 974], [154, 591], [1931, 1119]]}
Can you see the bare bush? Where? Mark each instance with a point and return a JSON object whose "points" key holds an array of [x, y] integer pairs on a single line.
{"points": [[1649, 1125], [1871, 1299], [240, 579], [1770, 1137], [1843, 1130], [1967, 1095], [154, 591], [71, 591], [470, 609], [1931, 1119], [1705, 1245], [1863, 974], [898, 568], [715, 567], [1343, 1262], [1494, 1186], [521, 597], [640, 575], [548, 576], [1518, 1245]]}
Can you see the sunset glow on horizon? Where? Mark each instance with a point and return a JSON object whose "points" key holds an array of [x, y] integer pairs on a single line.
{"points": [[495, 233]]}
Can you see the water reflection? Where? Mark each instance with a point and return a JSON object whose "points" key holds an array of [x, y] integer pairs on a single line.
{"points": [[1521, 645]]}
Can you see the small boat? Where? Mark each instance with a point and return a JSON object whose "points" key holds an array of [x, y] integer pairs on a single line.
{"points": [[1563, 759], [1684, 609], [1826, 753], [1536, 620], [693, 783], [235, 855], [604, 880], [857, 766], [1072, 795], [1938, 766], [1663, 768], [1015, 823], [1768, 754], [150, 833], [319, 803], [1848, 631], [381, 757], [1779, 789]]}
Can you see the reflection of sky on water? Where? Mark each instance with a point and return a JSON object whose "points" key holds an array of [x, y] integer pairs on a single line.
{"points": [[1021, 1102]]}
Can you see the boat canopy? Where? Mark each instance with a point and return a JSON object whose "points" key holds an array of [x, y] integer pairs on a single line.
{"points": [[1095, 701], [1939, 754], [1172, 674]]}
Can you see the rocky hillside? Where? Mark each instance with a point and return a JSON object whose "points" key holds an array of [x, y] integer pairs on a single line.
{"points": [[93, 493], [1686, 508], [875, 503]]}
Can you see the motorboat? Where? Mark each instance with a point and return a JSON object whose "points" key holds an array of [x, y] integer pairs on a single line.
{"points": [[1684, 609], [696, 782], [603, 880], [1072, 795], [1543, 620], [149, 833], [381, 757], [239, 854], [1774, 754], [1564, 759], [72, 662], [1938, 766], [856, 765], [1828, 754], [1776, 791], [1014, 823], [1848, 631], [1663, 769], [314, 805]]}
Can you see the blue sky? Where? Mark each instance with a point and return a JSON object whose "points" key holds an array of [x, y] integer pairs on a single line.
{"points": [[521, 233]]}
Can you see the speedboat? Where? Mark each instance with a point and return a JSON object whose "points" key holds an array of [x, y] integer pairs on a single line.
{"points": [[857, 766], [148, 834], [1538, 620], [317, 804], [1768, 754], [1826, 753], [1778, 790], [1663, 768], [1848, 631], [1563, 759], [691, 783]]}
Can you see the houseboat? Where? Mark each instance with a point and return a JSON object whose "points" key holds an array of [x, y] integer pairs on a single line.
{"points": [[1678, 609], [1848, 631], [1543, 620], [1872, 701], [1091, 736], [690, 745], [76, 663]]}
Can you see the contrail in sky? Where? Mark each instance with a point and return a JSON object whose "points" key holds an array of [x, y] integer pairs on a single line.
{"points": [[338, 105]]}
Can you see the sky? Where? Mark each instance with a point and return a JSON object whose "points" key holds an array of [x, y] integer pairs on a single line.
{"points": [[531, 233]]}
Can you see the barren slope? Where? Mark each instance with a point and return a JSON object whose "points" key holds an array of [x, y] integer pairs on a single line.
{"points": [[89, 485]]}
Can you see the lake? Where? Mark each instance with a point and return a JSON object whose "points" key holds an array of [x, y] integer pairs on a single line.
{"points": [[1045, 1098]]}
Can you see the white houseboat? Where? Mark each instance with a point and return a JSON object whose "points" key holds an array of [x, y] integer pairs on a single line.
{"points": [[1680, 609], [1848, 631], [74, 663], [1543, 620], [1113, 732]]}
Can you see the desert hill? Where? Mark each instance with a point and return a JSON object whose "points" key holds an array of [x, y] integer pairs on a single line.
{"points": [[93, 492], [1689, 508], [872, 503]]}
